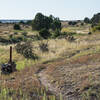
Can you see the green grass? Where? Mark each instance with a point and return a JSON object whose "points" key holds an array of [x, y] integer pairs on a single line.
{"points": [[19, 94], [24, 63], [79, 34]]}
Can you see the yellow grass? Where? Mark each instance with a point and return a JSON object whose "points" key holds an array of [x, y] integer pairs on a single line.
{"points": [[57, 48]]}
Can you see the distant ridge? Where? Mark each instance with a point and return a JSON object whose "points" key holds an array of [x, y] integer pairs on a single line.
{"points": [[25, 20], [12, 21]]}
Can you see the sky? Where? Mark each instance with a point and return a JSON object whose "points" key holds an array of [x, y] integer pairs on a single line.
{"points": [[64, 9]]}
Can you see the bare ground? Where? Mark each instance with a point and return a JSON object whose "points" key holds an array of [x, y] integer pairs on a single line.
{"points": [[71, 77]]}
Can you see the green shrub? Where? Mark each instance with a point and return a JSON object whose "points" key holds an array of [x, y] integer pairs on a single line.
{"points": [[10, 36], [21, 22], [86, 20], [14, 39], [25, 49], [56, 33], [24, 33], [72, 22], [98, 28], [95, 28], [56, 24], [63, 35], [95, 20], [44, 33], [41, 21], [44, 47], [3, 40], [15, 33], [17, 27]]}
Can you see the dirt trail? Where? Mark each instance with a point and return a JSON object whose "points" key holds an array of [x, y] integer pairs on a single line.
{"points": [[45, 82], [69, 94], [70, 74]]}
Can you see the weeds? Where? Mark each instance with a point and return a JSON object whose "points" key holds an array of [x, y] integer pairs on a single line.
{"points": [[44, 47], [19, 94]]}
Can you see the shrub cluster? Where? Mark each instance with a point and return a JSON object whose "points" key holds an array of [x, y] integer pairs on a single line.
{"points": [[95, 28], [24, 33], [41, 21], [44, 33], [44, 24], [44, 47], [14, 39], [15, 33], [56, 33], [17, 27], [25, 49]]}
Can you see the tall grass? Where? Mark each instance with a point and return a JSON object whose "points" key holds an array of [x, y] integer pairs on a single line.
{"points": [[57, 48], [35, 94]]}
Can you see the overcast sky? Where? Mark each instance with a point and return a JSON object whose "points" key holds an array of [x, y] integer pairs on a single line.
{"points": [[64, 9]]}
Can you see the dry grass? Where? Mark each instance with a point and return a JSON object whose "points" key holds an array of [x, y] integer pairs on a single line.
{"points": [[57, 48], [80, 29], [72, 67]]}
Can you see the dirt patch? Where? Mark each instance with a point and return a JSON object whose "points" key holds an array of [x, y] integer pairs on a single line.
{"points": [[71, 77], [86, 58]]}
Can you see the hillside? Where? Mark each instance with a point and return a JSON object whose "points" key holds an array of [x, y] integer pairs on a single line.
{"points": [[67, 70], [76, 75]]}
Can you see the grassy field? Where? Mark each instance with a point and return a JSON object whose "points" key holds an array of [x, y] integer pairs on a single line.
{"points": [[67, 71]]}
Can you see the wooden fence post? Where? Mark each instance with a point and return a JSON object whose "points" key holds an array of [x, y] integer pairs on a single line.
{"points": [[10, 59]]}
